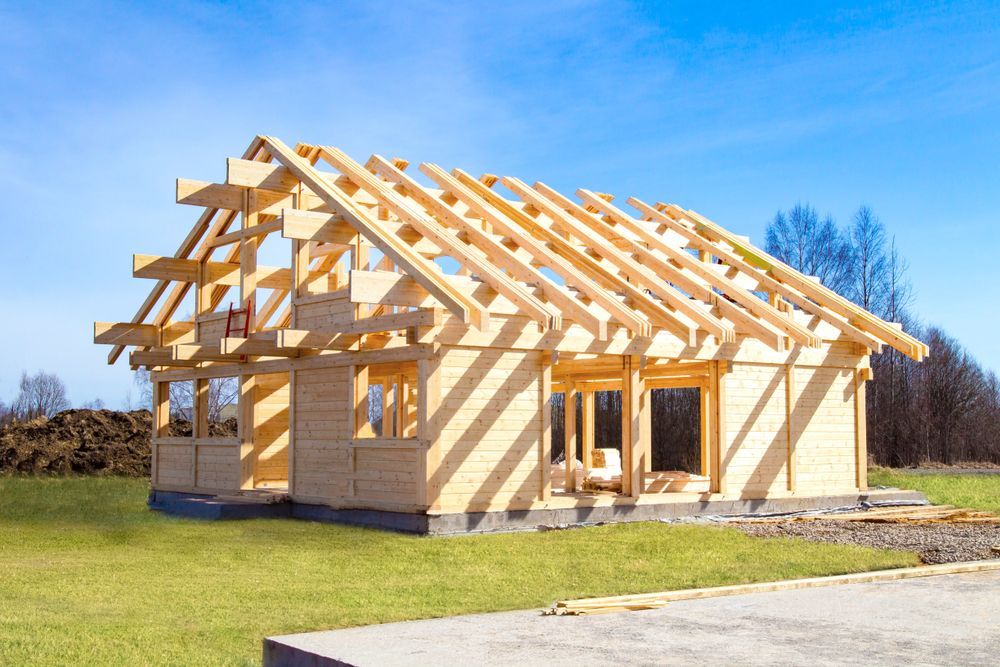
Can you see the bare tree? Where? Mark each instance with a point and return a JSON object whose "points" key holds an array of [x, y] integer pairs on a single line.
{"points": [[813, 246], [870, 265], [40, 394], [222, 392]]}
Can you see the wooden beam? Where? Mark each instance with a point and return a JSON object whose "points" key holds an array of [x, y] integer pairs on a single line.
{"points": [[188, 245], [334, 338], [637, 278], [260, 230], [219, 273], [587, 431], [508, 221], [793, 433], [632, 467], [545, 436], [773, 323], [257, 346], [467, 256], [402, 255], [569, 431], [822, 295], [860, 431], [323, 360], [245, 428], [765, 281], [228, 197], [497, 252], [430, 422]]}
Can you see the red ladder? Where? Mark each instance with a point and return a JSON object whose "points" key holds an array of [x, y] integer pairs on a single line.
{"points": [[247, 316]]}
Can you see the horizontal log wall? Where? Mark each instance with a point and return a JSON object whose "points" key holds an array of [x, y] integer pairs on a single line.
{"points": [[791, 429], [270, 436], [491, 429]]}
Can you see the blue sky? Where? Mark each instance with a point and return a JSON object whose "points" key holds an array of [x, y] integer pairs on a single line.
{"points": [[735, 110]]}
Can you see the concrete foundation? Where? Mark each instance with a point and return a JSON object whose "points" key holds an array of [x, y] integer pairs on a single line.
{"points": [[209, 507]]}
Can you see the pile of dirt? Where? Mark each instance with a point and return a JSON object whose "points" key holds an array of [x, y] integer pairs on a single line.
{"points": [[103, 442]]}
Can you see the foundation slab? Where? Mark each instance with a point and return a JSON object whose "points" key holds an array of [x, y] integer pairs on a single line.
{"points": [[209, 507]]}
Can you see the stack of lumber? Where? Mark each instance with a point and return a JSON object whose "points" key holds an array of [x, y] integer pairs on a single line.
{"points": [[921, 514], [607, 605]]}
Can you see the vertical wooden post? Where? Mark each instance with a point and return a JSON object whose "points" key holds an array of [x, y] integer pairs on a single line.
{"points": [[246, 430], [587, 436], [199, 423], [720, 422], [359, 261], [429, 432], [646, 427], [248, 257], [292, 428], [860, 429], [386, 410], [632, 466], [545, 446], [400, 405], [569, 429], [793, 458], [706, 425], [360, 426], [161, 423]]}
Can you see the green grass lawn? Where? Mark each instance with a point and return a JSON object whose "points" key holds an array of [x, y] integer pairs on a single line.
{"points": [[980, 492], [90, 576]]}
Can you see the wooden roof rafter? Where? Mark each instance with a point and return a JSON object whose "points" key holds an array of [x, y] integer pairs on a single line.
{"points": [[539, 255], [405, 257], [560, 298]]}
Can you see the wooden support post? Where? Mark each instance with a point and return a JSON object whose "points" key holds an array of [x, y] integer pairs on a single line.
{"points": [[359, 262], [245, 428], [161, 422], [545, 446], [360, 425], [569, 429], [860, 431], [386, 430], [720, 422], [587, 435], [429, 430], [646, 428], [632, 466], [199, 423], [400, 406], [792, 464], [292, 429], [248, 257], [300, 275], [706, 424]]}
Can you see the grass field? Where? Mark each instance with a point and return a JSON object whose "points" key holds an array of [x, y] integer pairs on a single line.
{"points": [[91, 576], [980, 492]]}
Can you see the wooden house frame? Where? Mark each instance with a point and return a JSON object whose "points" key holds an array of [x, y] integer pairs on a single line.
{"points": [[469, 308]]}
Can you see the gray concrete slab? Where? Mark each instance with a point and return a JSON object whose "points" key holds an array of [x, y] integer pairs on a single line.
{"points": [[941, 620]]}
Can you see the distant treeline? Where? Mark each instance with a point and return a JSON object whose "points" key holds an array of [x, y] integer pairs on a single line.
{"points": [[945, 409]]}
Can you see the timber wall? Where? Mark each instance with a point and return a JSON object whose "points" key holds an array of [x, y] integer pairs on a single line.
{"points": [[491, 442], [791, 429]]}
